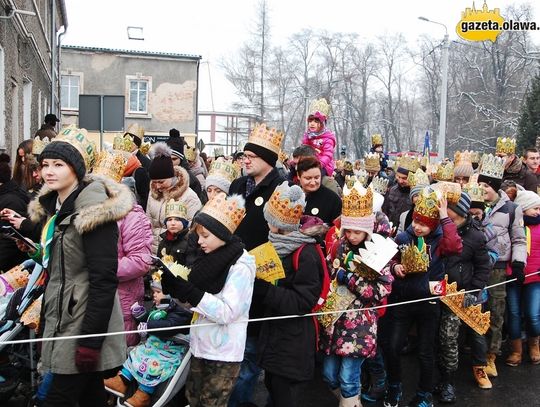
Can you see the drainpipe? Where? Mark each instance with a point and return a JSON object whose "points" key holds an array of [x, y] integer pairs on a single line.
{"points": [[54, 107]]}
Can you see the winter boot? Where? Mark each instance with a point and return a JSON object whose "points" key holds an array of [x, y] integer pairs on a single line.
{"points": [[447, 393], [336, 392], [139, 399], [376, 391], [393, 395], [534, 350], [116, 385], [514, 359], [481, 377], [491, 368], [422, 399], [353, 401]]}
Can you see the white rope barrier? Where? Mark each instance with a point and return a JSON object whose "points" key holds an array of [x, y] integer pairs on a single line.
{"points": [[281, 317]]}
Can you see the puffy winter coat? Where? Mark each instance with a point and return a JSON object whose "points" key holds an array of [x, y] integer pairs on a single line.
{"points": [[155, 207], [396, 201], [324, 145], [533, 260], [134, 249], [80, 295]]}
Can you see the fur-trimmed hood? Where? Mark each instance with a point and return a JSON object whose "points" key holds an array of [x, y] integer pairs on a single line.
{"points": [[175, 192], [101, 201]]}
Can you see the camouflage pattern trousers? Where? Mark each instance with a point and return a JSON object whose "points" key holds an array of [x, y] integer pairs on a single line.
{"points": [[210, 382], [448, 343], [497, 307]]}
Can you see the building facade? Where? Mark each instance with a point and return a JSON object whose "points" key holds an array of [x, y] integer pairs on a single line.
{"points": [[28, 66]]}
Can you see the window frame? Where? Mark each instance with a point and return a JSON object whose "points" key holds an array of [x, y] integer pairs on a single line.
{"points": [[80, 75], [137, 78]]}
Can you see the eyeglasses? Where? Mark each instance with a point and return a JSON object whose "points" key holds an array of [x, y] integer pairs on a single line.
{"points": [[249, 157]]}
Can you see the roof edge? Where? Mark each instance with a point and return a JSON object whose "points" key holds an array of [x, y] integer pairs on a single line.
{"points": [[132, 52]]}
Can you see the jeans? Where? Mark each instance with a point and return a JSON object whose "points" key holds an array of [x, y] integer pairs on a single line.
{"points": [[343, 372], [248, 377], [400, 319], [523, 298]]}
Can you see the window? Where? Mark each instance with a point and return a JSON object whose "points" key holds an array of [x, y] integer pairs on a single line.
{"points": [[70, 90], [138, 96]]}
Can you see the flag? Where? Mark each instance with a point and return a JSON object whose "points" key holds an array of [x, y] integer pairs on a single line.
{"points": [[426, 150]]}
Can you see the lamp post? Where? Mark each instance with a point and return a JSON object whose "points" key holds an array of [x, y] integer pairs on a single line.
{"points": [[444, 88]]}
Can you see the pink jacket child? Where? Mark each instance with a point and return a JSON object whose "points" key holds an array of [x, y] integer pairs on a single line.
{"points": [[321, 139], [134, 250]]}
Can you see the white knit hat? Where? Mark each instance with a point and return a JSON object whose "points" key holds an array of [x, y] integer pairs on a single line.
{"points": [[527, 200]]}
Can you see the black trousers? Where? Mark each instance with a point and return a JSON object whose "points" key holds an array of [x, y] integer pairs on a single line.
{"points": [[283, 391], [398, 322], [84, 390]]}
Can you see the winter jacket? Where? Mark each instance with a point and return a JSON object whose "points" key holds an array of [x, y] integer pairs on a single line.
{"points": [[471, 268], [396, 201], [46, 130], [226, 340], [324, 204], [176, 247], [324, 145], [155, 207], [511, 243], [12, 196], [176, 316], [520, 174], [134, 249], [443, 241], [144, 160], [533, 259], [287, 347], [199, 170], [80, 295]]}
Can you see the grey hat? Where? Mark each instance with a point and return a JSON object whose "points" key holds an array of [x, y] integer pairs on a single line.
{"points": [[219, 182], [527, 200]]}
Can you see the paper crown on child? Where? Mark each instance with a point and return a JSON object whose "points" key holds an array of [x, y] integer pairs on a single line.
{"points": [[136, 130], [190, 153], [285, 207], [463, 158], [414, 260], [372, 162], [376, 140], [357, 209], [444, 172], [475, 157], [228, 212], [110, 164], [418, 178], [78, 138], [505, 145], [379, 184], [38, 145], [451, 190], [426, 209], [473, 316], [492, 166], [320, 109], [269, 138], [175, 209], [475, 191], [219, 152], [361, 176], [222, 173], [348, 166]]}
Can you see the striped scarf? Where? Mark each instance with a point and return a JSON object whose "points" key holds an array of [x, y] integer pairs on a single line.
{"points": [[46, 238]]}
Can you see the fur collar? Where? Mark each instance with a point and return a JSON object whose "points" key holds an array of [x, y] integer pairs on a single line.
{"points": [[94, 211], [177, 190]]}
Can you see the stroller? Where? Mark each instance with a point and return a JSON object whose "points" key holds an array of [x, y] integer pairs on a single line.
{"points": [[27, 282]]}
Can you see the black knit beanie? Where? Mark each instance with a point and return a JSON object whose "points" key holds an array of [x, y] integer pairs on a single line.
{"points": [[213, 225], [267, 155], [494, 183], [174, 133], [65, 151], [161, 168], [5, 172]]}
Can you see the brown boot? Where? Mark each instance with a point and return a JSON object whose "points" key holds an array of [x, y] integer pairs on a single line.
{"points": [[481, 377], [491, 368], [139, 399], [514, 359], [116, 386], [534, 350]]}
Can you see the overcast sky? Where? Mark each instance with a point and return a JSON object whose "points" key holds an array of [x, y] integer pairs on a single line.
{"points": [[215, 28]]}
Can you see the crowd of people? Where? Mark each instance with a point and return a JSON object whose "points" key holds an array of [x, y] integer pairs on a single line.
{"points": [[345, 237]]}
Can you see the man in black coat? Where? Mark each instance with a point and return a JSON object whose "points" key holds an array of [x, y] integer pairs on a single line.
{"points": [[397, 200], [470, 270], [259, 159]]}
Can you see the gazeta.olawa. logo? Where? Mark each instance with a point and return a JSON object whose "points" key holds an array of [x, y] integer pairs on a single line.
{"points": [[486, 24]]}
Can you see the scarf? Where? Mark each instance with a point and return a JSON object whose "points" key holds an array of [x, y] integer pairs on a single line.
{"points": [[312, 134], [210, 271], [531, 220], [286, 244]]}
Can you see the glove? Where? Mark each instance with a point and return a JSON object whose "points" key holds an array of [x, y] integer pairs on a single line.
{"points": [[142, 327], [137, 311], [343, 277], [86, 359], [179, 288], [469, 299], [518, 273], [260, 288]]}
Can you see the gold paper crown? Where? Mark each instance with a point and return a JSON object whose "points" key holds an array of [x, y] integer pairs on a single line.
{"points": [[463, 158], [362, 177], [111, 165], [135, 130], [348, 166], [475, 191], [224, 169], [472, 316], [16, 277], [492, 166], [268, 138], [38, 145], [145, 148], [475, 157], [427, 204], [175, 209], [321, 106], [451, 190], [283, 156], [444, 172], [357, 201], [376, 139], [417, 178], [409, 163], [379, 184], [282, 209], [350, 180], [372, 162], [229, 211], [505, 145], [190, 153], [414, 260], [78, 139], [124, 144]]}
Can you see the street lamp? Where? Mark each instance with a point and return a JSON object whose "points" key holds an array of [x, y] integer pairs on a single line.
{"points": [[444, 88]]}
